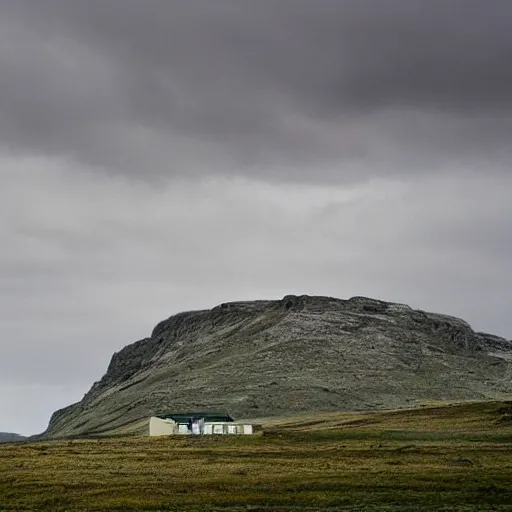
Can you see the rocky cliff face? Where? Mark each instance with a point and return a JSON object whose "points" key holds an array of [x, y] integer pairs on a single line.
{"points": [[298, 354]]}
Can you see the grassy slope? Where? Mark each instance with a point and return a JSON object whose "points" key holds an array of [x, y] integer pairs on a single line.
{"points": [[445, 458], [294, 356]]}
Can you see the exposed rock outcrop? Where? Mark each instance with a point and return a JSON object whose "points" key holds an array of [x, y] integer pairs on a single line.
{"points": [[298, 354]]}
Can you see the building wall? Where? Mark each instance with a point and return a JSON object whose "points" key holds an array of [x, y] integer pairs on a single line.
{"points": [[228, 428], [159, 427]]}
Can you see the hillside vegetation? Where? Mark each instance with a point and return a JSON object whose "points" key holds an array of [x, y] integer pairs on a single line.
{"points": [[455, 457], [297, 355]]}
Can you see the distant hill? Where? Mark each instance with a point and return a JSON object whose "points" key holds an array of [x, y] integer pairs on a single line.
{"points": [[9, 437], [297, 355]]}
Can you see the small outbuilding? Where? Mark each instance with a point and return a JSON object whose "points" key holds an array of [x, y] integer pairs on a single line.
{"points": [[196, 423]]}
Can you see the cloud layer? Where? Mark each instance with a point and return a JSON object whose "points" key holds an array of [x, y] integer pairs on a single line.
{"points": [[354, 88]]}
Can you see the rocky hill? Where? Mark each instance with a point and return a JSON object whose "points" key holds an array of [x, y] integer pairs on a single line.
{"points": [[8, 437], [295, 355]]}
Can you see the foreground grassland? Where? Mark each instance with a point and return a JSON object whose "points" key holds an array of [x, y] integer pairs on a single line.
{"points": [[445, 458]]}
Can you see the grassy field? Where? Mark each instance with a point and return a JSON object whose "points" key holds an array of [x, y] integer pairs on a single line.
{"points": [[455, 457]]}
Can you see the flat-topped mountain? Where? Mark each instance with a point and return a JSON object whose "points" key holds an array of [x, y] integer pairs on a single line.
{"points": [[295, 355]]}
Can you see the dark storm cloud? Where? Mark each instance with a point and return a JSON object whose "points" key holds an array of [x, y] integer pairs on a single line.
{"points": [[168, 86]]}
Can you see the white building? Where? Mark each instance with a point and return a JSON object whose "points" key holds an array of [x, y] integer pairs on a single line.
{"points": [[196, 423]]}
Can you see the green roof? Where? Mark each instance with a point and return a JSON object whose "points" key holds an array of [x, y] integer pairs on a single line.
{"points": [[208, 416]]}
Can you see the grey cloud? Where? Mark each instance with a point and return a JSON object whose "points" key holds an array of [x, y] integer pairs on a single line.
{"points": [[102, 276], [355, 88], [26, 408]]}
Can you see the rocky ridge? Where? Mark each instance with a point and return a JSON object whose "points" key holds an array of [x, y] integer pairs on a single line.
{"points": [[295, 355], [9, 437]]}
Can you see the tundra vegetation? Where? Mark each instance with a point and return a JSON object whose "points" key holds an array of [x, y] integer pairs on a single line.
{"points": [[449, 457]]}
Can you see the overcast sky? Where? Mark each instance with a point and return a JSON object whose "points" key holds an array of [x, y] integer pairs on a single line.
{"points": [[166, 155]]}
